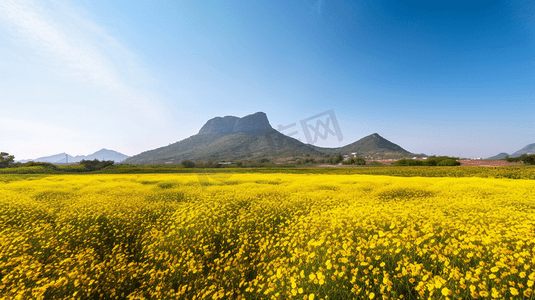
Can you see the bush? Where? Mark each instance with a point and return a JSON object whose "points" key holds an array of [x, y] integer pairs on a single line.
{"points": [[306, 161], [95, 165], [431, 161], [408, 162], [448, 162], [6, 159], [40, 164], [187, 164], [525, 158], [332, 160], [529, 160], [355, 161]]}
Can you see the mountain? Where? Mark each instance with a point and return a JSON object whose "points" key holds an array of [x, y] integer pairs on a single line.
{"points": [[252, 137], [529, 149], [102, 154], [499, 156], [51, 159], [254, 124], [373, 144], [228, 138]]}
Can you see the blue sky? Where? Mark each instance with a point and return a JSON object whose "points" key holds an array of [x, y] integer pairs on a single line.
{"points": [[435, 77]]}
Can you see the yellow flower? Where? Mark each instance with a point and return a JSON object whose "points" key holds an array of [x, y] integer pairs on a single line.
{"points": [[311, 297], [371, 295], [494, 269], [514, 291], [446, 292]]}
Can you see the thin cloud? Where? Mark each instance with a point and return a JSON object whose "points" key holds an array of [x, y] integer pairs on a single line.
{"points": [[80, 50]]}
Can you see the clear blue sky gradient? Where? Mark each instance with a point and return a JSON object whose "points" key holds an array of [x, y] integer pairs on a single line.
{"points": [[436, 77]]}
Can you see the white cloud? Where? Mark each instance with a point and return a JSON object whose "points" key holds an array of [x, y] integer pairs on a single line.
{"points": [[81, 51]]}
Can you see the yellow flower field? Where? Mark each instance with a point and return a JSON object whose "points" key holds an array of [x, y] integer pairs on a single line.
{"points": [[265, 236]]}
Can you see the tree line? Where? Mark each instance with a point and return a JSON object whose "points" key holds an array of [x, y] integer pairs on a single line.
{"points": [[527, 159], [431, 161]]}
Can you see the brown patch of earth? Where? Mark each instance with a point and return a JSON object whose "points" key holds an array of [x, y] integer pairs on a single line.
{"points": [[487, 163]]}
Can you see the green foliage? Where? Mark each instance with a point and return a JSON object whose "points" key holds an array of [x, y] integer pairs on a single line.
{"points": [[431, 161], [306, 161], [187, 164], [40, 164], [448, 162], [332, 160], [264, 160], [529, 160], [32, 167], [355, 161], [94, 165], [408, 162], [525, 158], [376, 164], [6, 160]]}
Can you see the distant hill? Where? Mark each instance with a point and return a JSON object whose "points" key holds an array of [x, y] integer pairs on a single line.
{"points": [[50, 159], [371, 145], [102, 154], [529, 149], [499, 156], [251, 137], [526, 150]]}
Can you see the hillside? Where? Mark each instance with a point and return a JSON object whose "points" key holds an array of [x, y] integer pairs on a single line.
{"points": [[499, 156], [252, 137], [372, 145], [529, 149]]}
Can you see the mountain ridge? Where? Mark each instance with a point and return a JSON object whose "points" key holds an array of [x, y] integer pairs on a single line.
{"points": [[256, 123], [102, 154], [252, 137], [528, 149]]}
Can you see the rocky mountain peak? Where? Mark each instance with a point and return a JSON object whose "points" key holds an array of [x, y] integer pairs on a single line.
{"points": [[256, 124]]}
